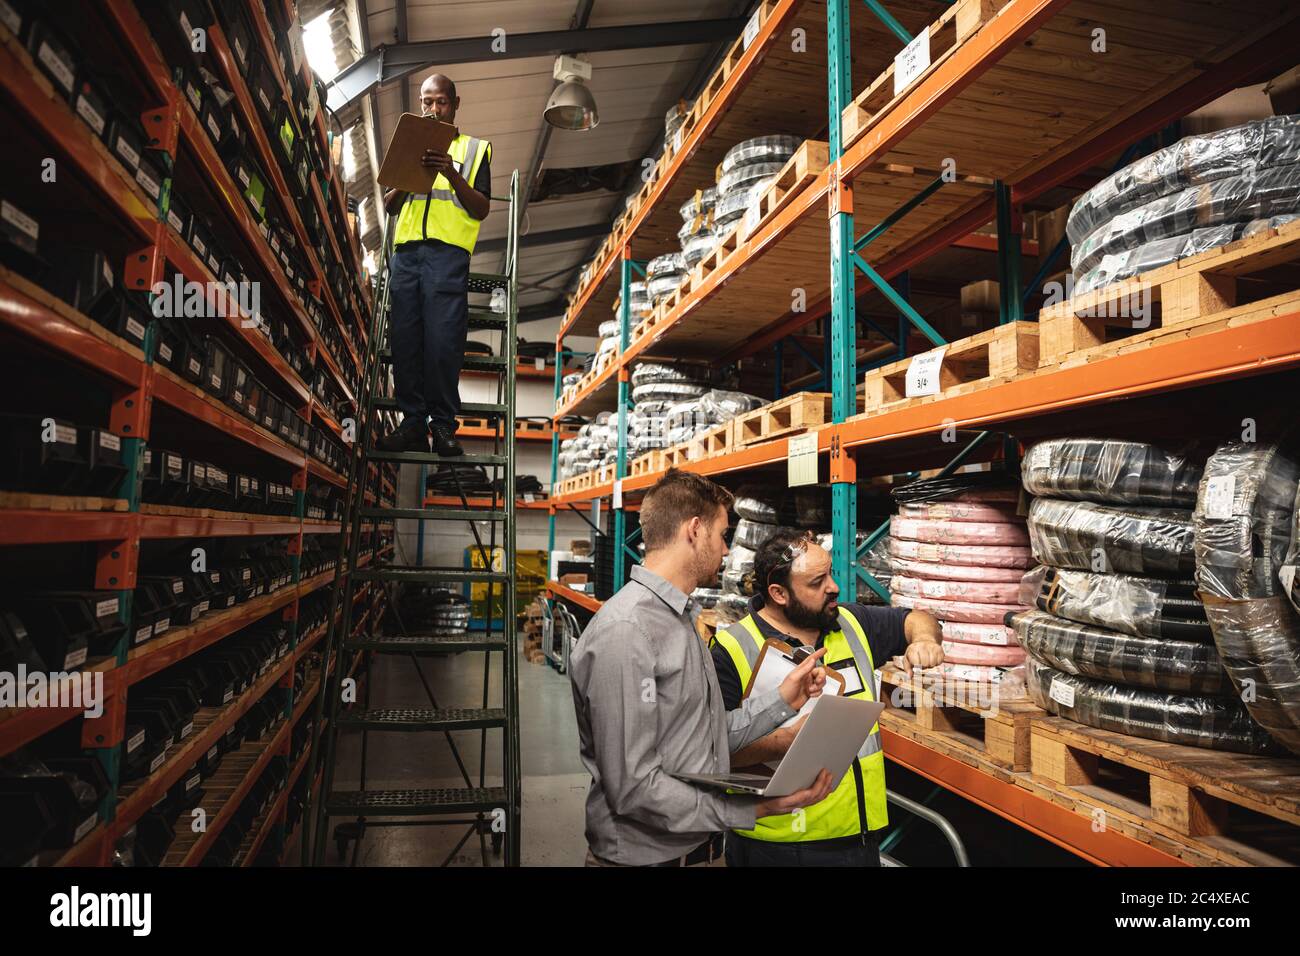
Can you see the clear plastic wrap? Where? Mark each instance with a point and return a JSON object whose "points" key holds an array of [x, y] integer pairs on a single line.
{"points": [[1084, 534], [699, 204], [740, 558], [959, 511], [807, 507], [743, 178], [706, 598], [1215, 723], [730, 609], [963, 632], [988, 556], [1289, 574], [1194, 160], [607, 329], [1245, 515], [761, 149], [700, 245], [965, 532], [1177, 667], [650, 373], [983, 655], [1253, 194], [1146, 607], [1116, 266], [667, 264], [993, 488], [719, 405], [1110, 471], [733, 205], [967, 612], [758, 503], [752, 534], [662, 286], [979, 592], [956, 572], [977, 673], [571, 380], [667, 391]]}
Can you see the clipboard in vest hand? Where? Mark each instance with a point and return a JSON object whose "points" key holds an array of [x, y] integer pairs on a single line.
{"points": [[775, 662], [402, 167]]}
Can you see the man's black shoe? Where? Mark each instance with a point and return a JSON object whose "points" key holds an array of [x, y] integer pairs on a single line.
{"points": [[444, 443], [410, 436]]}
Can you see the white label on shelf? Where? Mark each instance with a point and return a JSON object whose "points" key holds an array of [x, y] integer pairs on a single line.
{"points": [[193, 782], [75, 659], [912, 61], [228, 696], [214, 128], [165, 351], [247, 574], [174, 220], [750, 222], [215, 379], [199, 246], [175, 463], [10, 17], [1219, 492], [127, 152], [677, 139], [243, 176], [200, 608], [178, 587], [147, 182], [214, 577], [187, 730], [215, 752], [143, 634], [91, 115], [801, 460], [195, 366], [135, 328], [266, 103], [160, 626], [618, 493], [923, 373], [135, 742], [185, 25], [539, 364], [751, 29], [529, 497], [1061, 692], [109, 440], [19, 219], [196, 98], [65, 435], [239, 49], [63, 72], [157, 761], [200, 472], [87, 825], [106, 607]]}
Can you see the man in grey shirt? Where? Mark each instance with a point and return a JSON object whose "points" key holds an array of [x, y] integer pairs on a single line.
{"points": [[648, 700]]}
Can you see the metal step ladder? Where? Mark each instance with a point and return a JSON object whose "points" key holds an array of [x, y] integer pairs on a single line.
{"points": [[492, 812]]}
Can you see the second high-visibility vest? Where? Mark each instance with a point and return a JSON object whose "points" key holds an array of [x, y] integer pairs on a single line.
{"points": [[438, 213], [837, 815]]}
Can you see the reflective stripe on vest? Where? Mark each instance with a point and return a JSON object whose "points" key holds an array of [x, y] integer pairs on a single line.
{"points": [[439, 213], [837, 815]]}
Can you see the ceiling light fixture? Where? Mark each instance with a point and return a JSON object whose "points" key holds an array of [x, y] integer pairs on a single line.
{"points": [[571, 105]]}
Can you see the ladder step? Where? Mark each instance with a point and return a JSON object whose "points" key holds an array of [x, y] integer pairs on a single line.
{"points": [[415, 802], [472, 363], [396, 572], [480, 409], [480, 318], [435, 514], [423, 718], [487, 282], [426, 644], [429, 458]]}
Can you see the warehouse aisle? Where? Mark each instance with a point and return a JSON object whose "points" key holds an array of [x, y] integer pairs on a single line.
{"points": [[554, 781]]}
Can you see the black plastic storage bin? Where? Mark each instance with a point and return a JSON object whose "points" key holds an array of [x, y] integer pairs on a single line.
{"points": [[58, 466]]}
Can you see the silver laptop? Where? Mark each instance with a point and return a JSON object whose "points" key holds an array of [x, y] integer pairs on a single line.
{"points": [[835, 731]]}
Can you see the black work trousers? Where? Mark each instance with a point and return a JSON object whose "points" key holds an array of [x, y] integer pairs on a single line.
{"points": [[430, 315], [845, 851]]}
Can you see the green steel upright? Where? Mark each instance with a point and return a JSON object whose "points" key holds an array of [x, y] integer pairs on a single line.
{"points": [[490, 808], [844, 346], [620, 468]]}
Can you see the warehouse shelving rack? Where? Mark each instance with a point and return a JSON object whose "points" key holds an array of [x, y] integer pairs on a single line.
{"points": [[141, 390], [1021, 108]]}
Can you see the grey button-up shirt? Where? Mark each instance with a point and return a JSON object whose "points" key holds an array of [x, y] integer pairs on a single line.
{"points": [[649, 706]]}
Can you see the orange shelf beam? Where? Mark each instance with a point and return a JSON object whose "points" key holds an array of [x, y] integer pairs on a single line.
{"points": [[557, 590]]}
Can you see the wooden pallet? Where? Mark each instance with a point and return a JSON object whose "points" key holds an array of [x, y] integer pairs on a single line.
{"points": [[958, 24], [801, 169], [729, 62], [974, 714], [997, 355], [1246, 281], [720, 440], [646, 464], [1236, 808], [33, 502], [786, 416]]}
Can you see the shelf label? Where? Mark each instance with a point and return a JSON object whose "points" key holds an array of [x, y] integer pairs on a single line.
{"points": [[1219, 493], [16, 217], [88, 113], [751, 29], [801, 460], [529, 497], [109, 440], [677, 139], [618, 493], [61, 69], [1061, 692], [912, 61], [750, 222], [923, 373]]}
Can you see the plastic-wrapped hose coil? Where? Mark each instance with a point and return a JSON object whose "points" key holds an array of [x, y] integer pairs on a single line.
{"points": [[1244, 518], [648, 373], [732, 206], [977, 487], [959, 511], [760, 149], [1289, 574], [699, 204], [667, 392], [1178, 667], [1252, 195], [1148, 607], [980, 592], [662, 286], [956, 572], [1106, 470], [742, 178], [1080, 534], [1191, 161], [962, 632], [1215, 723], [967, 612], [667, 264], [699, 245], [757, 503], [739, 558], [752, 534], [964, 532], [985, 655], [975, 555]]}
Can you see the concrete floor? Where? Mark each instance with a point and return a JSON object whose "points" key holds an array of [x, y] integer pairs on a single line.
{"points": [[554, 784]]}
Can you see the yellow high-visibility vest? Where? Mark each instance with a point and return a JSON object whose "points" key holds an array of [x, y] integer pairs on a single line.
{"points": [[438, 213], [837, 815]]}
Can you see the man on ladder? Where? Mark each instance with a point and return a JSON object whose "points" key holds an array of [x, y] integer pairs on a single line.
{"points": [[795, 602], [432, 245]]}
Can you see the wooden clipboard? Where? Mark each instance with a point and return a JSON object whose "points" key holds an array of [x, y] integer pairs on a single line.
{"points": [[782, 650], [402, 167]]}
